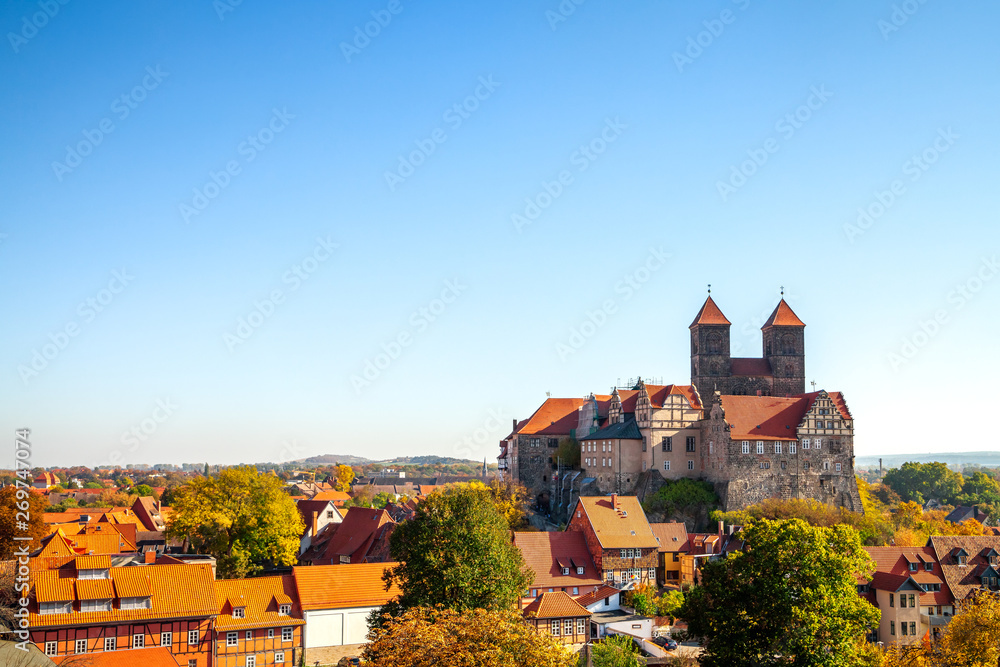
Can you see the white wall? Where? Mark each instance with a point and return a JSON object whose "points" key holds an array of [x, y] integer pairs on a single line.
{"points": [[336, 627]]}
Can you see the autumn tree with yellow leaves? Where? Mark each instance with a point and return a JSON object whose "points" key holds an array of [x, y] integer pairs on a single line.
{"points": [[242, 518]]}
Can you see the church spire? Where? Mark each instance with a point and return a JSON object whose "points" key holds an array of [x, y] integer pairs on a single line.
{"points": [[710, 314]]}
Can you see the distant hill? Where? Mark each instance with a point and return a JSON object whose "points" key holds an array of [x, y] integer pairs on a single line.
{"points": [[327, 459], [985, 459]]}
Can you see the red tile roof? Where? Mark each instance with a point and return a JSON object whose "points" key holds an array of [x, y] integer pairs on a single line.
{"points": [[964, 579], [671, 536], [590, 598], [892, 570], [783, 316], [177, 591], [658, 394], [772, 417], [342, 586], [546, 553], [556, 416], [353, 537], [261, 599], [555, 605], [709, 314], [619, 528]]}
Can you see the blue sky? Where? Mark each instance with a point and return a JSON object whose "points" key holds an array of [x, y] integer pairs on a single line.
{"points": [[268, 165]]}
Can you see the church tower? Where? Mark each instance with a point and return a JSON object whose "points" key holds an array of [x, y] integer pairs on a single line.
{"points": [[784, 349], [711, 364]]}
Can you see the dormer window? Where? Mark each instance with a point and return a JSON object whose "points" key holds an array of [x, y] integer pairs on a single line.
{"points": [[913, 567], [285, 609], [137, 603], [565, 571], [579, 570], [55, 608], [94, 574], [961, 559], [929, 566], [239, 612]]}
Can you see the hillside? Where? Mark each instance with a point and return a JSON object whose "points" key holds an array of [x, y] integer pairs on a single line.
{"points": [[985, 459]]}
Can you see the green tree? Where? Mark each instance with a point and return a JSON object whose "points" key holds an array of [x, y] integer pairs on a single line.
{"points": [[424, 637], [568, 452], [93, 485], [144, 490], [920, 482], [243, 518], [617, 651], [457, 552], [669, 604], [681, 494], [790, 598]]}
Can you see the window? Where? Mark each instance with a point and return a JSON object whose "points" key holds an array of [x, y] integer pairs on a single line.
{"points": [[805, 443], [651, 573], [928, 566], [902, 628], [81, 646], [791, 448], [816, 443], [784, 464], [192, 636], [553, 442], [568, 627], [746, 446], [624, 553], [137, 603], [711, 447], [819, 424], [891, 600], [251, 661], [554, 628], [667, 444], [805, 466], [286, 634], [51, 648], [279, 657], [166, 639], [138, 641], [777, 448], [579, 569], [238, 612], [285, 609], [565, 571], [609, 575], [249, 635], [581, 626], [232, 639], [913, 628], [690, 465], [329, 514], [760, 446], [838, 467], [913, 567], [689, 444], [95, 605], [765, 465], [576, 590], [892, 628], [902, 601], [643, 443], [55, 608], [270, 632], [913, 603], [666, 465], [192, 663]]}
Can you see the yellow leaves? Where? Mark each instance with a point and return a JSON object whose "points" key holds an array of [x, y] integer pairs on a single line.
{"points": [[343, 476], [437, 637]]}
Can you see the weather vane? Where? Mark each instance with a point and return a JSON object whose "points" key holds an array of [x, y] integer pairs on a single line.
{"points": [[710, 288], [782, 290]]}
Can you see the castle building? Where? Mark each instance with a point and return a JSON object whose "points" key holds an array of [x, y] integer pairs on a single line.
{"points": [[745, 424]]}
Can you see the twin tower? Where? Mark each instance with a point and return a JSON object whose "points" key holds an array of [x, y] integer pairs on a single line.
{"points": [[780, 372]]}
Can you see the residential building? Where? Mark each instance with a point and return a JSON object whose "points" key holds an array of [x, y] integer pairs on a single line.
{"points": [[560, 561], [963, 513], [618, 537], [969, 562], [362, 537], [45, 480], [909, 588], [336, 601], [89, 606], [672, 540], [259, 622], [560, 616], [156, 656], [316, 515], [148, 512]]}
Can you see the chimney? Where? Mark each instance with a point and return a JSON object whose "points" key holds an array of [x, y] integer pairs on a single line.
{"points": [[514, 426], [722, 530], [150, 557], [614, 501]]}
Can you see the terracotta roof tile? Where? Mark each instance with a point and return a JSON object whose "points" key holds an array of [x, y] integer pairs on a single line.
{"points": [[93, 589], [671, 536], [556, 416], [893, 571], [158, 656], [619, 528], [658, 394], [964, 579], [709, 314], [342, 586], [772, 417], [93, 562], [783, 316], [353, 537], [555, 605], [604, 591], [546, 553], [261, 599]]}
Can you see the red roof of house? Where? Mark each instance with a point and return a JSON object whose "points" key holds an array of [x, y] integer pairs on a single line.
{"points": [[658, 394], [547, 553], [590, 598], [556, 416], [772, 417], [157, 656], [555, 605], [343, 586], [261, 599], [671, 536], [709, 314], [783, 316], [353, 537], [893, 570]]}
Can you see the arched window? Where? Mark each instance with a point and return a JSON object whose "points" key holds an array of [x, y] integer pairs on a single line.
{"points": [[714, 343], [789, 371], [788, 344]]}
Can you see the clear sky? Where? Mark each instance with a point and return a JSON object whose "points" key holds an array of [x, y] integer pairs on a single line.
{"points": [[216, 217]]}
